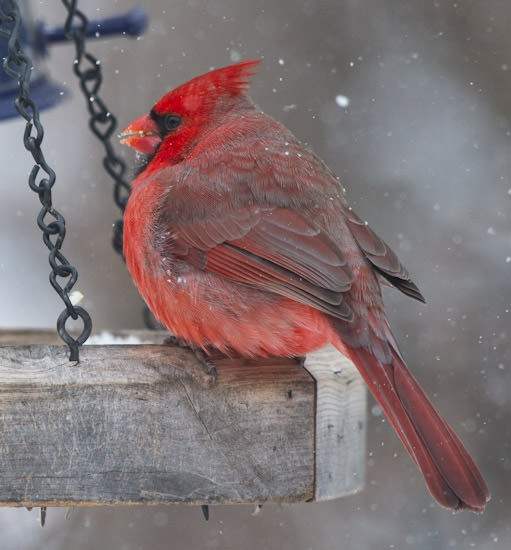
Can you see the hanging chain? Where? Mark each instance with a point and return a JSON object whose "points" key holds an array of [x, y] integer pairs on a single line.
{"points": [[102, 122], [18, 66]]}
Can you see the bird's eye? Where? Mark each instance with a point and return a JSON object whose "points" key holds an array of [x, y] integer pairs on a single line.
{"points": [[171, 122]]}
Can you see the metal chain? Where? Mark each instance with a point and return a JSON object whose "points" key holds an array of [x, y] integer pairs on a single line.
{"points": [[102, 122], [18, 66]]}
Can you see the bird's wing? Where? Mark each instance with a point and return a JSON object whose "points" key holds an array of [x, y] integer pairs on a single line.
{"points": [[251, 214], [381, 256], [274, 249]]}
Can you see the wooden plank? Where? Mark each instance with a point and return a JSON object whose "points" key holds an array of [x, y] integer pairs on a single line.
{"points": [[153, 416], [134, 424], [340, 424]]}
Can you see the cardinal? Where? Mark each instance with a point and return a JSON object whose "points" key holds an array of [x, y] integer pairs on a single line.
{"points": [[239, 238]]}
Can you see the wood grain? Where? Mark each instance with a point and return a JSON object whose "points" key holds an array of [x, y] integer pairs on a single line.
{"points": [[146, 424], [340, 424]]}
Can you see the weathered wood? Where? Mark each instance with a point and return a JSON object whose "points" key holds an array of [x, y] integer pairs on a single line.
{"points": [[147, 424], [133, 424], [340, 424]]}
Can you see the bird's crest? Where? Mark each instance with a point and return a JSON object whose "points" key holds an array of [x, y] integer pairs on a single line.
{"points": [[232, 80]]}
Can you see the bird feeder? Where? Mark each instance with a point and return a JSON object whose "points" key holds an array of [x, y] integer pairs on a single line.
{"points": [[132, 424]]}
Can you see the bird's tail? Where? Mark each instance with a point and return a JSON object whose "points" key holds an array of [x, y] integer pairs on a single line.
{"points": [[449, 471]]}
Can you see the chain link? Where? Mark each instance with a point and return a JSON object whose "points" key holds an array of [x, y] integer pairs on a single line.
{"points": [[102, 122], [18, 66]]}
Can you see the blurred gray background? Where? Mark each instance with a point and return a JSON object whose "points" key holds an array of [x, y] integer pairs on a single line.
{"points": [[423, 149]]}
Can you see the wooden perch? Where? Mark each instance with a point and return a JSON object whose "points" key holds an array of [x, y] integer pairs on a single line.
{"points": [[146, 424]]}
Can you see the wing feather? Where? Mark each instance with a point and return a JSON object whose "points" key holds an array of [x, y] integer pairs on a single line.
{"points": [[272, 248], [382, 257], [251, 216]]}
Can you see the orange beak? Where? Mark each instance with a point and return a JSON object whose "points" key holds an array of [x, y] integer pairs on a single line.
{"points": [[142, 135]]}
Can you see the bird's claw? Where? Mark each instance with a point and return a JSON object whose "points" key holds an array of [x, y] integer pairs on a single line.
{"points": [[204, 360]]}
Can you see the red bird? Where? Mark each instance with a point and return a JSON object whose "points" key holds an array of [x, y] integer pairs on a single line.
{"points": [[239, 238]]}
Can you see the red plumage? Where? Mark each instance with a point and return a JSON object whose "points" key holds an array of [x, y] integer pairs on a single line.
{"points": [[239, 238]]}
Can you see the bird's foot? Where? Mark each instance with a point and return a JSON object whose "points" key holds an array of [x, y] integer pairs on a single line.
{"points": [[172, 340], [204, 360]]}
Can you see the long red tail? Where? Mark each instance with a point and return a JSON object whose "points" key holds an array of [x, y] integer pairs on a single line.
{"points": [[449, 471]]}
